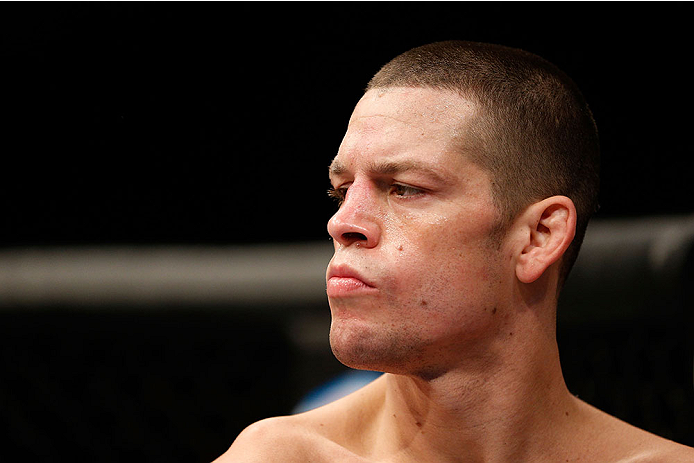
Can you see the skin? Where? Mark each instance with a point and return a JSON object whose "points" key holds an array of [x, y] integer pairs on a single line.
{"points": [[464, 328]]}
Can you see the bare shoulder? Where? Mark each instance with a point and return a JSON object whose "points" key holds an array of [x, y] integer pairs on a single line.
{"points": [[678, 452], [617, 440], [660, 450], [330, 433], [271, 439], [297, 438]]}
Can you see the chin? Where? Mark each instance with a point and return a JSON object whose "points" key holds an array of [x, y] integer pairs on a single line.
{"points": [[363, 348]]}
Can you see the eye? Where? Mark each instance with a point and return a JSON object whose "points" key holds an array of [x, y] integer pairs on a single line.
{"points": [[338, 194], [405, 191]]}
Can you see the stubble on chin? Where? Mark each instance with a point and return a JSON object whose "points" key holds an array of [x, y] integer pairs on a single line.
{"points": [[363, 348]]}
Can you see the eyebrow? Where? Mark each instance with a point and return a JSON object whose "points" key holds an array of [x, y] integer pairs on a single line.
{"points": [[338, 169]]}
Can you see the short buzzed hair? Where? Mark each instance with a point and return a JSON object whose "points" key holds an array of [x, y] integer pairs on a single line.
{"points": [[533, 133]]}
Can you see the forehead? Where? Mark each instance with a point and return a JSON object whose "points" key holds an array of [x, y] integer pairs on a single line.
{"points": [[417, 106], [405, 122]]}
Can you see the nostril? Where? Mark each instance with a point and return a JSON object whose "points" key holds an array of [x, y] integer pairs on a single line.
{"points": [[353, 236]]}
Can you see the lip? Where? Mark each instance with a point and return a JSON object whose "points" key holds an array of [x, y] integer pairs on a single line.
{"points": [[344, 281]]}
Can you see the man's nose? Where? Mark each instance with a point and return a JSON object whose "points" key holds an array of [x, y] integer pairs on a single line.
{"points": [[355, 223]]}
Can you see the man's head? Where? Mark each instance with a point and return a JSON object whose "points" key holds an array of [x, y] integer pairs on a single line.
{"points": [[430, 256], [533, 131], [414, 276]]}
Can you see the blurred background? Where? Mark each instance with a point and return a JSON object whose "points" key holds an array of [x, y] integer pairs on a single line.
{"points": [[163, 210]]}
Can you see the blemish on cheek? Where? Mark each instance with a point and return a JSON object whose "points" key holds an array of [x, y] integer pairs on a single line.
{"points": [[400, 248], [493, 310], [423, 303]]}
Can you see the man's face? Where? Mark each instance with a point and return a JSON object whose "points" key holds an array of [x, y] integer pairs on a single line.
{"points": [[414, 278]]}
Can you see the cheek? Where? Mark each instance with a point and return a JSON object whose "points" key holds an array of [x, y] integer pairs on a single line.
{"points": [[442, 247], [442, 266]]}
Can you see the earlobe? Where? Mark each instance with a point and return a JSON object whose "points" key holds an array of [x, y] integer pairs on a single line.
{"points": [[548, 228]]}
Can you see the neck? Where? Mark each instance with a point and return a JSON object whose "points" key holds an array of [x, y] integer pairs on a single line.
{"points": [[485, 410]]}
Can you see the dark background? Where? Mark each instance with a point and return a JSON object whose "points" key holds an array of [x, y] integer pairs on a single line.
{"points": [[214, 123]]}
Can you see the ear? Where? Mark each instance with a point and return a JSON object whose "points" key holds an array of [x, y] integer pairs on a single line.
{"points": [[548, 228]]}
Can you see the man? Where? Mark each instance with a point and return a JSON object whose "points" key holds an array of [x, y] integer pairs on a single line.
{"points": [[465, 180]]}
